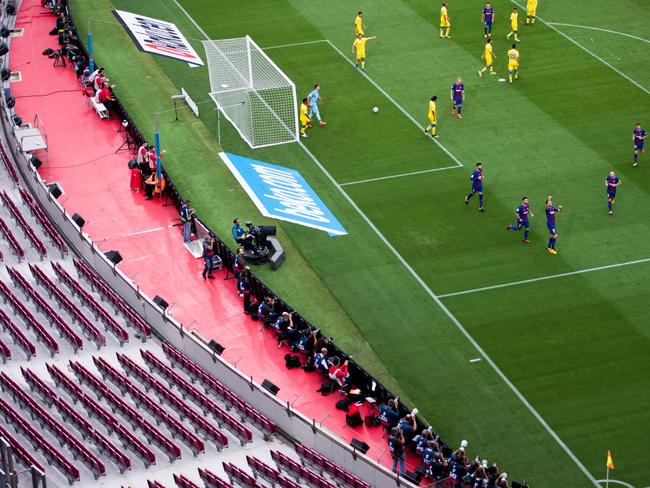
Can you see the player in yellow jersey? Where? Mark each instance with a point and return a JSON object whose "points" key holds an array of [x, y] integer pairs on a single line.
{"points": [[488, 55], [514, 24], [513, 63], [304, 117], [359, 45], [358, 25], [433, 117], [531, 12], [445, 23]]}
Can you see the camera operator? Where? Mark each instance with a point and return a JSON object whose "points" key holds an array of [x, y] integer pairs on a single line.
{"points": [[238, 234], [396, 446]]}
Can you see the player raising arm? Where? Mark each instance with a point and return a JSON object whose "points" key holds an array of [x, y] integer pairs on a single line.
{"points": [[359, 45], [522, 212], [513, 63], [550, 224], [433, 116], [488, 55], [457, 95], [445, 22], [638, 136], [358, 24], [514, 24], [612, 182], [487, 17]]}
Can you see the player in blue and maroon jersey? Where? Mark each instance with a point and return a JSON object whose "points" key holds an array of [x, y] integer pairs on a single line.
{"points": [[477, 186], [612, 182], [522, 212], [488, 19], [550, 224], [457, 95], [638, 136]]}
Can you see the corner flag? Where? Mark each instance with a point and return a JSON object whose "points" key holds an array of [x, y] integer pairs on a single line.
{"points": [[610, 462]]}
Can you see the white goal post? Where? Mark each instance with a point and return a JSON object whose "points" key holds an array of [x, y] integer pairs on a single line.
{"points": [[256, 97]]}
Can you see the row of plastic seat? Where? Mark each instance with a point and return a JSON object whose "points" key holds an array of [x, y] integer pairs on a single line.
{"points": [[5, 352], [143, 329], [18, 449], [240, 477], [17, 335], [155, 484], [11, 239], [45, 419], [74, 311], [131, 414], [39, 442], [178, 404], [88, 300], [49, 229], [54, 318], [299, 471], [323, 464], [211, 480], [207, 404], [40, 331], [154, 408], [68, 413], [8, 164], [20, 220], [266, 472], [211, 384], [183, 482], [106, 418]]}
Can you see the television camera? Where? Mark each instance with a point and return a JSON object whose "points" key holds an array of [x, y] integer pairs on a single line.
{"points": [[256, 244]]}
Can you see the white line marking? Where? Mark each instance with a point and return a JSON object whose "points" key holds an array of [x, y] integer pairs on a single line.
{"points": [[475, 360], [379, 178], [544, 278], [295, 44], [616, 482], [602, 30], [591, 53], [454, 320], [430, 292], [394, 102], [147, 231]]}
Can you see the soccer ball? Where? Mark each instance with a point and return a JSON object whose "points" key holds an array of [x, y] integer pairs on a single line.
{"points": [[375, 109]]}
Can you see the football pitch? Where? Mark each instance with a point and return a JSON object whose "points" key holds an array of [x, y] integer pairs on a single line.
{"points": [[540, 361]]}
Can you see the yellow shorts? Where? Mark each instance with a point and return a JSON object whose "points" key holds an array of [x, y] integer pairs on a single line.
{"points": [[532, 12], [304, 121], [432, 120], [445, 24], [361, 55], [513, 66], [488, 61], [514, 28]]}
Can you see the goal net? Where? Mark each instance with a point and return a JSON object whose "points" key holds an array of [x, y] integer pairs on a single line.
{"points": [[256, 97]]}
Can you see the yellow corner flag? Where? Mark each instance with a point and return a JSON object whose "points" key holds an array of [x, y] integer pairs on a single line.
{"points": [[610, 461]]}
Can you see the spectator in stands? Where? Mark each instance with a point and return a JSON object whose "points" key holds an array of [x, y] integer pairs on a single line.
{"points": [[389, 414], [408, 425], [187, 214], [208, 255], [396, 446]]}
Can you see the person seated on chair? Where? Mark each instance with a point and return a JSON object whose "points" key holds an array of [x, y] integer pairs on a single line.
{"points": [[94, 74], [389, 414], [265, 312], [339, 373], [105, 96], [320, 361], [149, 186], [238, 234], [353, 415]]}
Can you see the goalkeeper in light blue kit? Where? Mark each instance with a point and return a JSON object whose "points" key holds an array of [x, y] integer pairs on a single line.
{"points": [[314, 98]]}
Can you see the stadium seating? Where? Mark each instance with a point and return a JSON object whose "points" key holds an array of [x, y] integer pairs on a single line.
{"points": [[211, 480], [239, 477], [183, 482], [300, 472], [214, 386], [5, 352], [20, 220], [11, 239], [263, 470], [47, 226], [8, 164], [19, 450], [17, 335], [322, 464]]}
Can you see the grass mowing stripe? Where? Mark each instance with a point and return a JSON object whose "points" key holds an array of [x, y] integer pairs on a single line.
{"points": [[601, 30], [394, 102], [420, 281], [544, 278], [591, 53], [401, 175]]}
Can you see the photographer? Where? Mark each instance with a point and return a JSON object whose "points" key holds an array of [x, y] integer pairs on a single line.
{"points": [[408, 425], [208, 254], [187, 214], [238, 266], [389, 414], [396, 446]]}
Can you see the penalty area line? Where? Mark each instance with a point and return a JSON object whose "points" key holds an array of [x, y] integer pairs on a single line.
{"points": [[545, 278], [295, 44], [401, 175], [551, 26], [601, 30]]}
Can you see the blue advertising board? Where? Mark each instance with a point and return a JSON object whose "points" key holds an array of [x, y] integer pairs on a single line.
{"points": [[282, 193]]}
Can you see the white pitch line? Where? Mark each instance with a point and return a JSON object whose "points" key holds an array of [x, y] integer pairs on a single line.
{"points": [[616, 482], [455, 321], [591, 53], [295, 44], [545, 278], [602, 30], [430, 292], [394, 102], [401, 175]]}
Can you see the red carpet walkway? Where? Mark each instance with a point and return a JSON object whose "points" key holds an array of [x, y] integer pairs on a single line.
{"points": [[95, 180]]}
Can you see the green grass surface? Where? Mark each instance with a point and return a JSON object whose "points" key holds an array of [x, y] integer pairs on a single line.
{"points": [[576, 346]]}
